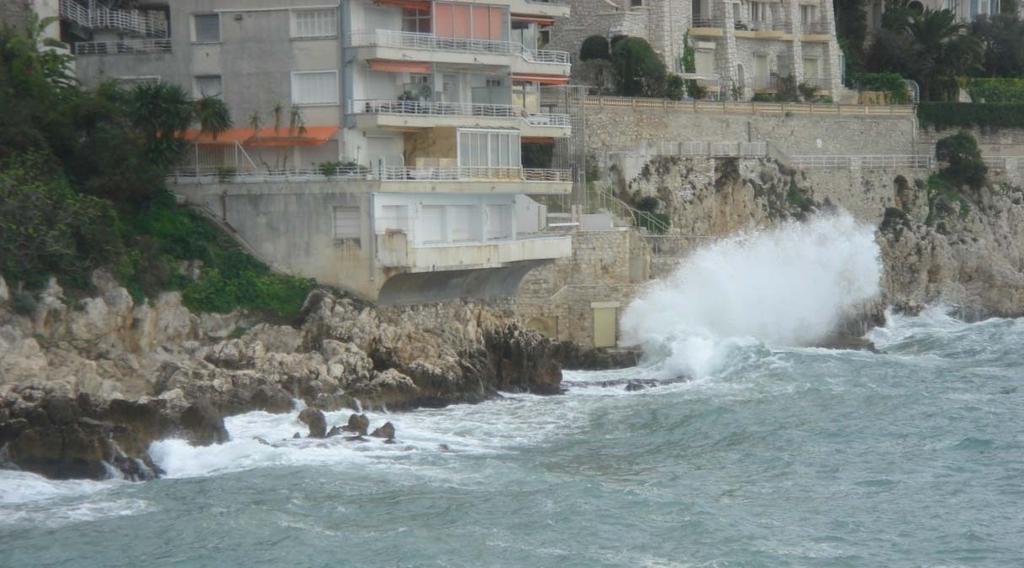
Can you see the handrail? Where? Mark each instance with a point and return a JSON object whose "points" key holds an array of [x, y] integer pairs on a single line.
{"points": [[122, 47], [102, 17], [207, 174], [441, 109], [427, 41], [615, 206], [911, 161], [750, 107]]}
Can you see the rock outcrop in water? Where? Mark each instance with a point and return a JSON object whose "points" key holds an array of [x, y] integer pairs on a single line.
{"points": [[968, 253], [86, 386]]}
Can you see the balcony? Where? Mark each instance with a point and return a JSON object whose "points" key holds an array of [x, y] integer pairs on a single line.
{"points": [[762, 28], [381, 113], [395, 45], [817, 29], [122, 47], [151, 23], [398, 179], [395, 251]]}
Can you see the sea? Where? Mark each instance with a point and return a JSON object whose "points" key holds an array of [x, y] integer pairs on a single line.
{"points": [[738, 445]]}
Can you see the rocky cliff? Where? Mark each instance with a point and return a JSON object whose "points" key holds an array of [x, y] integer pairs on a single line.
{"points": [[87, 385], [965, 250]]}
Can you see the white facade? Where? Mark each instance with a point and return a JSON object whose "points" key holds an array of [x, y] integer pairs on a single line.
{"points": [[413, 112]]}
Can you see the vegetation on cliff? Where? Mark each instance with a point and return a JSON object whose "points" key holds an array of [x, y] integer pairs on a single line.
{"points": [[82, 187]]}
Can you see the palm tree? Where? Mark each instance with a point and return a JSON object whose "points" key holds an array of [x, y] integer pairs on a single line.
{"points": [[278, 112], [945, 49], [212, 115], [162, 111], [295, 122]]}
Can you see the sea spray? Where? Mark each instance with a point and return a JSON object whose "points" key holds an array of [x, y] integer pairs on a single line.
{"points": [[786, 287]]}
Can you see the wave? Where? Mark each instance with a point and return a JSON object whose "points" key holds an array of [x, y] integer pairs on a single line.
{"points": [[789, 286]]}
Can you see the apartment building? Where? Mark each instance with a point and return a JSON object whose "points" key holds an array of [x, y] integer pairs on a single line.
{"points": [[966, 10], [741, 48], [378, 144]]}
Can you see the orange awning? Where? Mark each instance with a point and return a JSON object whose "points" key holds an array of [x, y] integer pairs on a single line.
{"points": [[410, 4], [539, 20], [392, 66], [537, 140], [269, 136], [542, 79]]}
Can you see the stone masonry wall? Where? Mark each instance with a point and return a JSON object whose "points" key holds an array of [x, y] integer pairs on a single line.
{"points": [[616, 128], [606, 266]]}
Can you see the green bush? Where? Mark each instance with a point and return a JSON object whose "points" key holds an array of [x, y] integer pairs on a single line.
{"points": [[890, 83], [996, 90], [943, 115], [675, 88], [964, 165], [46, 228], [639, 71], [595, 47]]}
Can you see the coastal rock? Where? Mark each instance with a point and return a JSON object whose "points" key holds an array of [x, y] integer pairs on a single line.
{"points": [[357, 423], [316, 421], [387, 431]]}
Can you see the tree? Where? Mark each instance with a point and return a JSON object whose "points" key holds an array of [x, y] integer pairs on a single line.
{"points": [[964, 165], [595, 47], [639, 71], [851, 30], [1002, 42], [946, 51], [675, 87]]}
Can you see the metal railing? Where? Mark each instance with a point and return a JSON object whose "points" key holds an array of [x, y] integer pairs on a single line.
{"points": [[708, 22], [443, 109], [149, 23], [835, 162], [122, 47], [207, 174], [604, 200], [763, 26], [431, 42], [750, 107], [815, 28]]}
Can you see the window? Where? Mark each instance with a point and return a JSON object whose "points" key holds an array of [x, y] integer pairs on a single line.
{"points": [[808, 14], [416, 21], [470, 21], [489, 149], [463, 220], [208, 86], [499, 222], [315, 87], [432, 224], [206, 28], [314, 23], [347, 224]]}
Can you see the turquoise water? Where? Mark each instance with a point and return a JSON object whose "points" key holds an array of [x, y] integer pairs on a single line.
{"points": [[778, 457]]}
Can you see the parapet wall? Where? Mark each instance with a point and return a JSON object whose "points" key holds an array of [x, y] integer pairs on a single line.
{"points": [[799, 130]]}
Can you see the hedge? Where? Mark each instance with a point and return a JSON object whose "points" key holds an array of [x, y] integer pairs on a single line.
{"points": [[943, 115], [997, 90]]}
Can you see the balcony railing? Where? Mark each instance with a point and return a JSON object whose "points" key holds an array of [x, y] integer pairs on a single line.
{"points": [[815, 27], [431, 42], [837, 162], [122, 47], [763, 26], [149, 23], [708, 22], [204, 175], [443, 109]]}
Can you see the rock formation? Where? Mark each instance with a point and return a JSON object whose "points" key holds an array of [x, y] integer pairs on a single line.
{"points": [[86, 386]]}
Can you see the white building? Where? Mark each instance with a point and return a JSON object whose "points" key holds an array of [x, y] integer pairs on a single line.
{"points": [[741, 47], [377, 143]]}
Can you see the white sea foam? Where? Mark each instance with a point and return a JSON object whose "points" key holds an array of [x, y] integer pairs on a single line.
{"points": [[784, 287], [24, 487]]}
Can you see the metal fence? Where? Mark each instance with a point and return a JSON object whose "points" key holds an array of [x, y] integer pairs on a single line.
{"points": [[150, 23], [122, 47], [727, 107], [208, 174], [431, 42], [442, 109], [836, 162]]}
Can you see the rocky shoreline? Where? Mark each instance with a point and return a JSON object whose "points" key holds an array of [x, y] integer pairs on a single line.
{"points": [[87, 386]]}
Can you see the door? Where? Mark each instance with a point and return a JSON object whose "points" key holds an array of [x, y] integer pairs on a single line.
{"points": [[605, 324]]}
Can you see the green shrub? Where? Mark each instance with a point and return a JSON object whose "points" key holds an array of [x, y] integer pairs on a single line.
{"points": [[944, 115], [964, 165], [639, 71], [890, 83], [675, 88], [595, 47], [996, 90]]}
